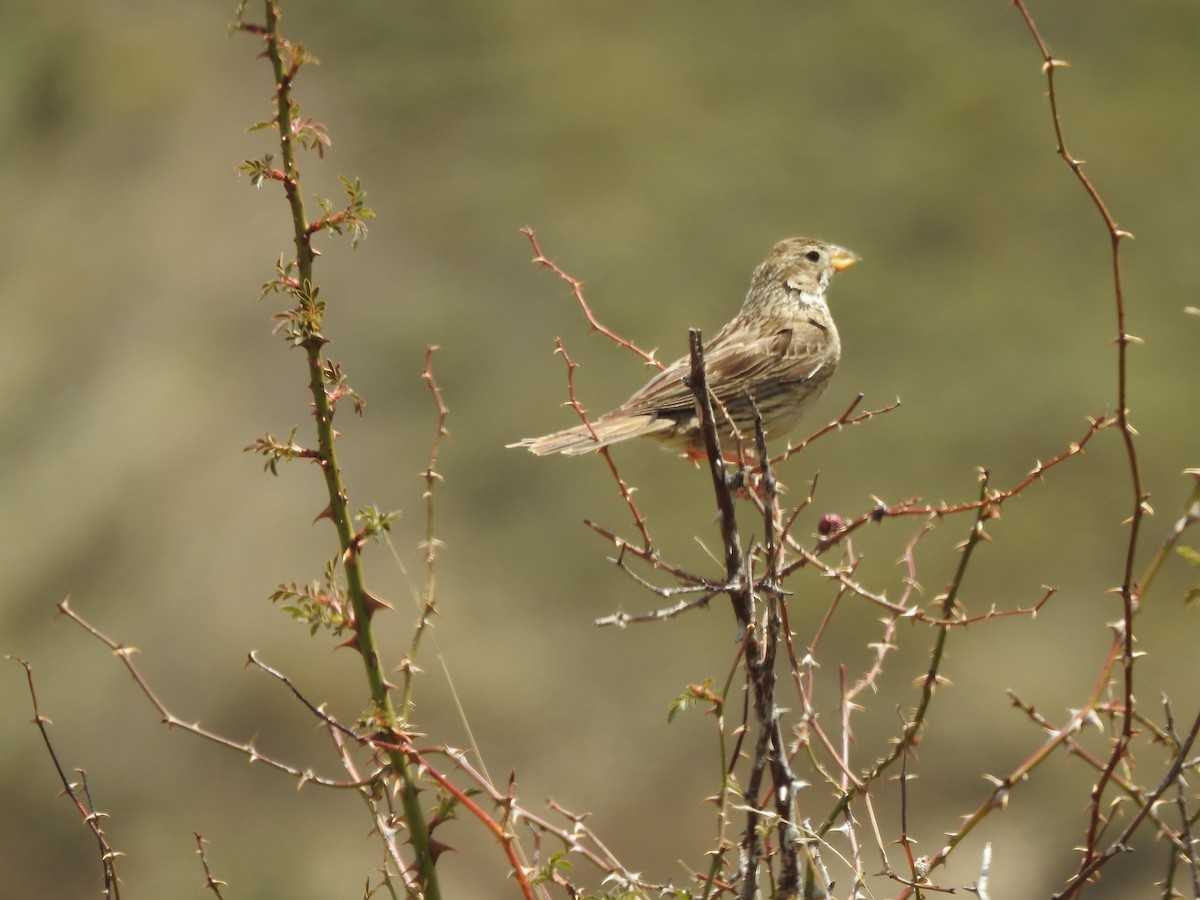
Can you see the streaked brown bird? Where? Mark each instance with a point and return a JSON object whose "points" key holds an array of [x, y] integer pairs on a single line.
{"points": [[781, 349]]}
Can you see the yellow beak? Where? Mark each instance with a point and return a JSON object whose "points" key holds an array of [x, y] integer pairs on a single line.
{"points": [[843, 259]]}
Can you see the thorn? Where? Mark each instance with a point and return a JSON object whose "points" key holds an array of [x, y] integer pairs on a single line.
{"points": [[352, 643], [326, 513], [375, 603]]}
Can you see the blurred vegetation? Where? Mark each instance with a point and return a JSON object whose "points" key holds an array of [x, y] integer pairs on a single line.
{"points": [[659, 150]]}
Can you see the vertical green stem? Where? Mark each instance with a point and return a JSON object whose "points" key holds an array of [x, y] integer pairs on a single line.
{"points": [[338, 510]]}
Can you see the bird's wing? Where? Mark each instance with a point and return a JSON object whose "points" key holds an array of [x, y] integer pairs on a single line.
{"points": [[735, 360]]}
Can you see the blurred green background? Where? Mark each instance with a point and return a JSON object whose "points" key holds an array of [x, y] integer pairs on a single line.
{"points": [[659, 150]]}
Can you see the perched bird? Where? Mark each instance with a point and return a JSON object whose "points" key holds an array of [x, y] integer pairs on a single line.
{"points": [[781, 348]]}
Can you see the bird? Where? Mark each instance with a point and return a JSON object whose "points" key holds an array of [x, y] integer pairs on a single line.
{"points": [[780, 349]]}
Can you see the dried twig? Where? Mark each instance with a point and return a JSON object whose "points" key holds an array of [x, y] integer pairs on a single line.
{"points": [[577, 289], [211, 882], [248, 750], [1129, 590], [78, 792]]}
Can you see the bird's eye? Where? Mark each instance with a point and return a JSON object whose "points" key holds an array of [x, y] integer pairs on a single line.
{"points": [[812, 256]]}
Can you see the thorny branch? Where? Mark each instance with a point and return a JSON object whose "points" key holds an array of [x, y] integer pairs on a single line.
{"points": [[78, 792], [1129, 590], [626, 491], [430, 543], [752, 578], [248, 750], [758, 650], [648, 356], [211, 882]]}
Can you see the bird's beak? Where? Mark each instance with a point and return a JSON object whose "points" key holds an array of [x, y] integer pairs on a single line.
{"points": [[843, 259]]}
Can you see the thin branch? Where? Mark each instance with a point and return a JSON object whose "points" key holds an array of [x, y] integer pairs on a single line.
{"points": [[1121, 843], [651, 558], [1130, 596], [998, 797], [388, 825], [626, 491], [430, 544], [504, 836], [248, 750], [211, 882], [621, 619], [317, 711], [577, 289], [846, 418], [931, 679], [79, 793], [995, 498], [1184, 843], [1190, 516]]}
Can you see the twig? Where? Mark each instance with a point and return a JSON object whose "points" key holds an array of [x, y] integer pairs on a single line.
{"points": [[248, 750], [87, 810], [1121, 843], [577, 289], [505, 837], [1185, 845], [932, 677], [846, 418], [735, 567], [621, 619], [651, 558], [1002, 787], [317, 711], [1079, 751], [741, 598], [1190, 516], [1129, 591], [210, 881], [382, 811], [626, 491], [995, 498], [430, 543]]}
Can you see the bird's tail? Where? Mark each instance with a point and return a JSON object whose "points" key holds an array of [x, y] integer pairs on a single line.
{"points": [[584, 439]]}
